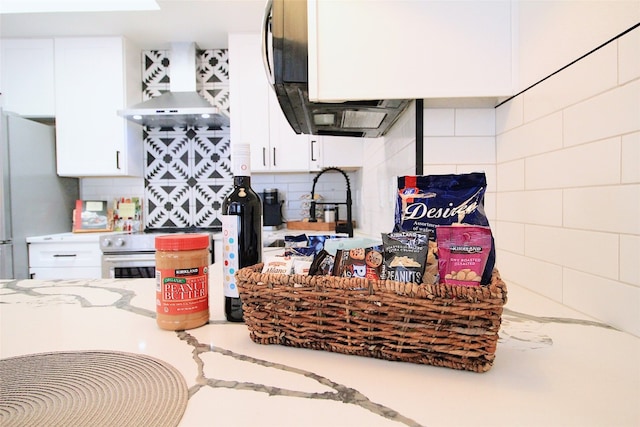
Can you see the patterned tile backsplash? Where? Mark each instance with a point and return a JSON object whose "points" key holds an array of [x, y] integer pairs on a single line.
{"points": [[187, 170]]}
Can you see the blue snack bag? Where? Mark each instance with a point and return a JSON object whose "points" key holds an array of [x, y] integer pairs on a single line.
{"points": [[427, 201]]}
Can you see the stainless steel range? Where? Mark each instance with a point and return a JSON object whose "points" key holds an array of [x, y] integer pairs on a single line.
{"points": [[131, 255]]}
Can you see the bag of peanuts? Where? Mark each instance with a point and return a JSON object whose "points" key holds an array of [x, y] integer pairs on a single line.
{"points": [[463, 253], [405, 255], [428, 201]]}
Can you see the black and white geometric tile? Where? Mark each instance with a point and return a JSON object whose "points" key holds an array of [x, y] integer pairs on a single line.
{"points": [[187, 169]]}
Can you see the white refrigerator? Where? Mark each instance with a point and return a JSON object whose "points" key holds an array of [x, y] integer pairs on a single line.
{"points": [[34, 200]]}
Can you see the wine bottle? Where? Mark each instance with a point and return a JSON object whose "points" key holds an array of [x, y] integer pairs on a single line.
{"points": [[241, 230]]}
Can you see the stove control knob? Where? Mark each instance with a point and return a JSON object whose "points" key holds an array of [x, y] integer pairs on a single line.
{"points": [[120, 242], [106, 242]]}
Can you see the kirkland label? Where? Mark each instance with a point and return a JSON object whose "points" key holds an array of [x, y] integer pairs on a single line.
{"points": [[230, 256], [182, 291]]}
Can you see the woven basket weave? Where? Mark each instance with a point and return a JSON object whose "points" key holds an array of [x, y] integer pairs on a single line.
{"points": [[441, 325]]}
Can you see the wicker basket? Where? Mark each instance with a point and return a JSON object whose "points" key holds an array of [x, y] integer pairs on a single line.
{"points": [[441, 325]]}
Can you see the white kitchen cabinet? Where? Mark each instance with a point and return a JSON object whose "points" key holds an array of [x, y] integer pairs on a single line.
{"points": [[94, 78], [256, 117], [65, 256], [411, 49], [337, 151], [27, 77]]}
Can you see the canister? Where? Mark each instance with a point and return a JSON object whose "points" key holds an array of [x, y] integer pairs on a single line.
{"points": [[182, 280], [329, 213]]}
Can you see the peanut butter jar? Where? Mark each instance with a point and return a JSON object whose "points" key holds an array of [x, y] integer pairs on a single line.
{"points": [[182, 281]]}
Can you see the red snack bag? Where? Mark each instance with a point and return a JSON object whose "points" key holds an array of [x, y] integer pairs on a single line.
{"points": [[463, 252]]}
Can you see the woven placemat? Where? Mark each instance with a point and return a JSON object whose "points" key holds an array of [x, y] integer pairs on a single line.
{"points": [[90, 388]]}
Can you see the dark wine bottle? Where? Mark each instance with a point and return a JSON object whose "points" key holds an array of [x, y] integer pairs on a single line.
{"points": [[241, 230]]}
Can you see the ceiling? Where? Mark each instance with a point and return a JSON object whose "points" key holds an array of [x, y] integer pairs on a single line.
{"points": [[206, 22]]}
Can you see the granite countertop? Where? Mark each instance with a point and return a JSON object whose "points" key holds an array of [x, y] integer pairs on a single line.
{"points": [[553, 367]]}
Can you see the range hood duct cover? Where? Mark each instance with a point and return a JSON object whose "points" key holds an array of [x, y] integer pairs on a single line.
{"points": [[182, 105]]}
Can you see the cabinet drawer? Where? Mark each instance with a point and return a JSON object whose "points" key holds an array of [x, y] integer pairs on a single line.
{"points": [[65, 255], [43, 273]]}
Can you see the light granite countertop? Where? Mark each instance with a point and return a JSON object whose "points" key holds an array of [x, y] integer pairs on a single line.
{"points": [[553, 367]]}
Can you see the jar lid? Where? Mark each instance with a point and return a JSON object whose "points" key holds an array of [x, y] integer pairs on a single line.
{"points": [[182, 242]]}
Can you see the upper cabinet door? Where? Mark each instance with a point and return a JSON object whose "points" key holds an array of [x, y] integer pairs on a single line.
{"points": [[248, 96], [256, 116], [26, 77], [390, 49], [96, 77]]}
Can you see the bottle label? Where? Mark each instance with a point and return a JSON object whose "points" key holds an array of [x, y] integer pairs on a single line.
{"points": [[230, 254], [182, 291]]}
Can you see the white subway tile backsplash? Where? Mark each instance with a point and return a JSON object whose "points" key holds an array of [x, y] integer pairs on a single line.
{"points": [[530, 207], [509, 115], [614, 208], [544, 243], [544, 207], [460, 150], [607, 300], [488, 169], [597, 163], [630, 155], [591, 252], [440, 169], [110, 188], [539, 276], [439, 122], [539, 136], [629, 56], [629, 256], [511, 176], [475, 122], [612, 113], [584, 79], [490, 206], [568, 172], [510, 206], [509, 236]]}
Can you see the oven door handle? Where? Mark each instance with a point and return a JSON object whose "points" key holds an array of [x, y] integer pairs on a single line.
{"points": [[111, 258]]}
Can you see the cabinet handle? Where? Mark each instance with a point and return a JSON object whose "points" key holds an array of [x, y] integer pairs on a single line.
{"points": [[274, 156], [313, 156], [118, 159], [264, 156], [64, 255]]}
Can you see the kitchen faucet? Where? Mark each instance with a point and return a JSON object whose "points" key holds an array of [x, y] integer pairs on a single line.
{"points": [[312, 211]]}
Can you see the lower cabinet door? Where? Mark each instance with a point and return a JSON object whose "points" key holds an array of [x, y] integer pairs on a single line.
{"points": [[45, 273]]}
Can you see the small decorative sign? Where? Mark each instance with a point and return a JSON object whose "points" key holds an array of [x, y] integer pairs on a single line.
{"points": [[91, 216]]}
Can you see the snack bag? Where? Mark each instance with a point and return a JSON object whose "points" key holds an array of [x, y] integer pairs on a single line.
{"points": [[463, 252], [277, 264], [425, 202], [358, 262], [405, 254], [322, 264], [305, 246]]}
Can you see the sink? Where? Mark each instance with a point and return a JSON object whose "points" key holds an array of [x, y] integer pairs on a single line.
{"points": [[278, 243]]}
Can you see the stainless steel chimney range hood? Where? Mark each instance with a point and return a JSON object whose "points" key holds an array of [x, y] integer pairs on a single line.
{"points": [[182, 105]]}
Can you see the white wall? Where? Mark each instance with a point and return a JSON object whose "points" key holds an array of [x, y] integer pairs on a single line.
{"points": [[384, 159], [563, 170], [111, 189], [551, 34], [568, 206]]}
